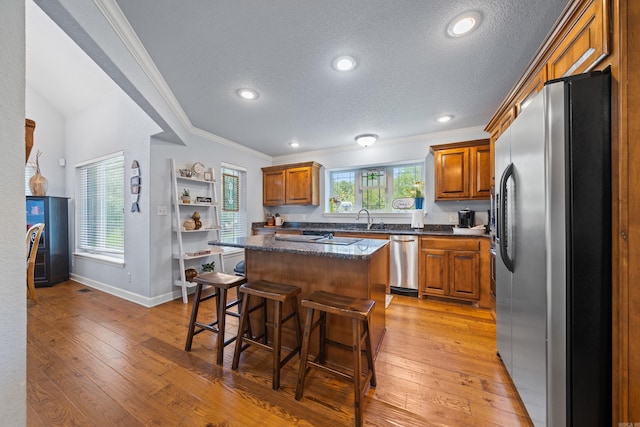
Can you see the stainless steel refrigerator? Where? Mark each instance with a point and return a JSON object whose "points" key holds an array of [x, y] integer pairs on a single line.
{"points": [[553, 281]]}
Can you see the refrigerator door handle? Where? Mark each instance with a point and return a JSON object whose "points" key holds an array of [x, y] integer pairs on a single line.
{"points": [[502, 218]]}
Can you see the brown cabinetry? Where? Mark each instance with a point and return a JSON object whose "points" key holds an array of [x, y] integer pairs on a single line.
{"points": [[578, 44], [453, 267], [584, 45], [462, 170], [296, 184]]}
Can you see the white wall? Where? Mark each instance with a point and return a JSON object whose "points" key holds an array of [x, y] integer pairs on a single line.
{"points": [[13, 313], [386, 152], [49, 139], [115, 124], [164, 269]]}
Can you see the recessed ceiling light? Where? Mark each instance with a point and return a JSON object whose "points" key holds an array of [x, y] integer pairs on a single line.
{"points": [[246, 93], [444, 119], [463, 24], [366, 139], [294, 144], [344, 63]]}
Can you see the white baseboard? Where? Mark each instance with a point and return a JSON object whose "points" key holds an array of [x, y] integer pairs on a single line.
{"points": [[129, 296]]}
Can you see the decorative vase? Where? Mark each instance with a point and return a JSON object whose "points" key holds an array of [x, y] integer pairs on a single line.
{"points": [[37, 182], [189, 224], [196, 220], [190, 274], [38, 185], [419, 202]]}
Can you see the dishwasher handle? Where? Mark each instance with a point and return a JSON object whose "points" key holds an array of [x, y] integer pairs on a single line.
{"points": [[403, 240]]}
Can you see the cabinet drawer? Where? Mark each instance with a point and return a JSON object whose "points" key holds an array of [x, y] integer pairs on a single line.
{"points": [[452, 244]]}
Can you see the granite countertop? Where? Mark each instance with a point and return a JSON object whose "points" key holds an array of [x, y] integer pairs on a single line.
{"points": [[402, 229], [359, 249]]}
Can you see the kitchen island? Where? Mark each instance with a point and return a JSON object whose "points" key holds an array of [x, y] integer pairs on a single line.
{"points": [[355, 267]]}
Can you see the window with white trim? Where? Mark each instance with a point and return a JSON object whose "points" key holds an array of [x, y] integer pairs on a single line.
{"points": [[373, 188], [233, 220], [100, 206]]}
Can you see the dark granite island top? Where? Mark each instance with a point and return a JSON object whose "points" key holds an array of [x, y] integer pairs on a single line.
{"points": [[359, 269], [308, 245]]}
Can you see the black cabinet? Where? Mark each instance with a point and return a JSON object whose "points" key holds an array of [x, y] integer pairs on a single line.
{"points": [[52, 261]]}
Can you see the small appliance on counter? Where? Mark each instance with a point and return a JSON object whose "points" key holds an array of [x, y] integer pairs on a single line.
{"points": [[417, 219], [271, 221], [466, 218]]}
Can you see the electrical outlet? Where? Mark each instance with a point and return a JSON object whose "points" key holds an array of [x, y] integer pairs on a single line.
{"points": [[162, 210], [453, 218]]}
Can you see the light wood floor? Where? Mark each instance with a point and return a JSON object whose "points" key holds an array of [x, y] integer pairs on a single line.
{"points": [[94, 359]]}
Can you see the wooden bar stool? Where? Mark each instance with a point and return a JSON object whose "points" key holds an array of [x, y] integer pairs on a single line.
{"points": [[359, 311], [279, 294], [221, 283]]}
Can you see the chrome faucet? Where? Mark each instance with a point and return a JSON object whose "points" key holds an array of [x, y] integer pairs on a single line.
{"points": [[368, 217]]}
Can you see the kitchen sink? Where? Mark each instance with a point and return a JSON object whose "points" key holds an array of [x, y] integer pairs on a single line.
{"points": [[338, 240], [327, 240]]}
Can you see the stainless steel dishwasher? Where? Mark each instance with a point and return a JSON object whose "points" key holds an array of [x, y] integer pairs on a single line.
{"points": [[404, 264]]}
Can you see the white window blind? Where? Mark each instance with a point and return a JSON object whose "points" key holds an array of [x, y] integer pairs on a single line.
{"points": [[100, 206], [29, 171], [234, 202]]}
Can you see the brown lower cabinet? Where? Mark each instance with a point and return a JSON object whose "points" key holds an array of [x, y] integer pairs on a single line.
{"points": [[457, 268]]}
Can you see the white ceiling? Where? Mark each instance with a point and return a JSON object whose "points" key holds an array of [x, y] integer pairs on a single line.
{"points": [[409, 71]]}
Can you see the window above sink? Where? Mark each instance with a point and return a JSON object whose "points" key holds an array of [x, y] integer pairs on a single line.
{"points": [[372, 188]]}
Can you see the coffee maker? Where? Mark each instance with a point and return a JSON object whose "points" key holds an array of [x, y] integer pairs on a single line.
{"points": [[466, 218]]}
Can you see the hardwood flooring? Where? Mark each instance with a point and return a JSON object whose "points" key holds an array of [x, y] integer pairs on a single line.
{"points": [[96, 360]]}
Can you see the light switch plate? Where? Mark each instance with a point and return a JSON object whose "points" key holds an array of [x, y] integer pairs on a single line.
{"points": [[162, 210]]}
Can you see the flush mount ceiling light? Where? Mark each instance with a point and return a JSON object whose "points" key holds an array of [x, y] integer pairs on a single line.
{"points": [[246, 93], [444, 119], [366, 139], [294, 144], [344, 63], [463, 24]]}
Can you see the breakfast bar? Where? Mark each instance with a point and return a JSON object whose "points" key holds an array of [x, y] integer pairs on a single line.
{"points": [[348, 266]]}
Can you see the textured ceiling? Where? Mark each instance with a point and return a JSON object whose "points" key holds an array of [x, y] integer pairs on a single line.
{"points": [[409, 71]]}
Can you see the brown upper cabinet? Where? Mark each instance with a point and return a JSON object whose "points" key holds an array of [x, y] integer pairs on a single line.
{"points": [[462, 170], [578, 44], [584, 45], [295, 184]]}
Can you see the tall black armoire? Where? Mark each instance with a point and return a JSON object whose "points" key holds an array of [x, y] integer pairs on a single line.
{"points": [[52, 261]]}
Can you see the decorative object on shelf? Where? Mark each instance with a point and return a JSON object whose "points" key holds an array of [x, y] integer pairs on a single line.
{"points": [[37, 182], [185, 173], [197, 168], [135, 186], [208, 176], [203, 200], [189, 224], [208, 267], [196, 219], [186, 197], [190, 274]]}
